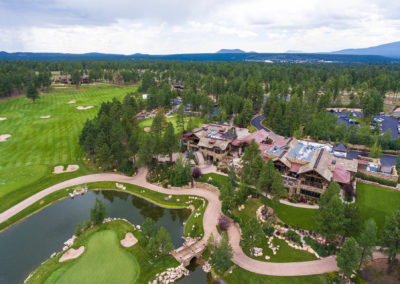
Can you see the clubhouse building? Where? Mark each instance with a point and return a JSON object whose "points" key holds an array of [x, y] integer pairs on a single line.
{"points": [[307, 168]]}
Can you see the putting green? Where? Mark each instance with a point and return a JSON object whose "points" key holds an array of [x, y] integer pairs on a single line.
{"points": [[104, 261]]}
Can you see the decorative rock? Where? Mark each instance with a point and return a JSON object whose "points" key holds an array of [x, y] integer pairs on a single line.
{"points": [[206, 267], [267, 257]]}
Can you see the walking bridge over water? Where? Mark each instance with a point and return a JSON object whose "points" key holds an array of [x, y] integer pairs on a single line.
{"points": [[191, 248]]}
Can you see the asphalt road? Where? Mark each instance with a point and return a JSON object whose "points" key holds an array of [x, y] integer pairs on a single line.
{"points": [[256, 123]]}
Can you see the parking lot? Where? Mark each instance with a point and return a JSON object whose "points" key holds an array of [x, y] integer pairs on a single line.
{"points": [[385, 122]]}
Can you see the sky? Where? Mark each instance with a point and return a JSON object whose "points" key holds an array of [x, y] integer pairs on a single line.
{"points": [[188, 26]]}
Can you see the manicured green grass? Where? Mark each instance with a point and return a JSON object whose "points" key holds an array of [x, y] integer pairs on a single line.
{"points": [[376, 202], [134, 258], [104, 261], [242, 276], [217, 179], [37, 145], [285, 253], [197, 121], [295, 216]]}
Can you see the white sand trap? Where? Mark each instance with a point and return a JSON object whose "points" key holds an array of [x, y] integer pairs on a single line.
{"points": [[60, 169], [147, 129], [83, 108], [3, 137], [72, 254], [3, 118], [45, 116], [129, 240], [72, 102]]}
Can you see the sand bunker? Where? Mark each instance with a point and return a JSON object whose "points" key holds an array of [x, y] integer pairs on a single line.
{"points": [[72, 254], [3, 118], [3, 137], [129, 240], [72, 102], [60, 169], [147, 129], [83, 108], [45, 116]]}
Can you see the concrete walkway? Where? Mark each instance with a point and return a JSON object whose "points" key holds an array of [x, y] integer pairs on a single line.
{"points": [[210, 221]]}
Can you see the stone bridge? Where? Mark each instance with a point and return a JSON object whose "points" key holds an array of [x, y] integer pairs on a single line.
{"points": [[191, 248]]}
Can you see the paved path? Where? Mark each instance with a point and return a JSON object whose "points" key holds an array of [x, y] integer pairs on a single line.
{"points": [[210, 221]]}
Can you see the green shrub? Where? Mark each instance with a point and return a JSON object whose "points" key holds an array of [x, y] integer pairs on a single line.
{"points": [[268, 229], [376, 179], [320, 248], [293, 236]]}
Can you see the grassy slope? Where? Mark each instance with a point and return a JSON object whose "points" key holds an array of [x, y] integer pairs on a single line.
{"points": [[294, 216], [241, 276], [376, 202], [285, 253], [37, 145]]}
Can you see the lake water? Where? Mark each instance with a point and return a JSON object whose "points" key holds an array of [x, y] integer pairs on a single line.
{"points": [[24, 246]]}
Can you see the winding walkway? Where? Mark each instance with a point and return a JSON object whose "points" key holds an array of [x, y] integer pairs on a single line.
{"points": [[210, 221]]}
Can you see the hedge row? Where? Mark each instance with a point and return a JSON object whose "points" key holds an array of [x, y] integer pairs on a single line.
{"points": [[376, 179]]}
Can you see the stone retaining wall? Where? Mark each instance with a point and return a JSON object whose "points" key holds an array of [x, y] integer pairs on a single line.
{"points": [[392, 177]]}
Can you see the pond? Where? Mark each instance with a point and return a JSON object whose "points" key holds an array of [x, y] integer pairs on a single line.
{"points": [[24, 246]]}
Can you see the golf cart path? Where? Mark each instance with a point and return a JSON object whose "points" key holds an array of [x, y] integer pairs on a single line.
{"points": [[210, 221]]}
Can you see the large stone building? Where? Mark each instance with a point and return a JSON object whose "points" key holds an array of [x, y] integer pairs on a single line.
{"points": [[308, 168], [214, 141]]}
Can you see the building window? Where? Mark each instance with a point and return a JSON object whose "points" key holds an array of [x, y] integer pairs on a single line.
{"points": [[310, 193]]}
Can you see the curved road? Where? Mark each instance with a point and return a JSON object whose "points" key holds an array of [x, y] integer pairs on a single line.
{"points": [[210, 221], [256, 123]]}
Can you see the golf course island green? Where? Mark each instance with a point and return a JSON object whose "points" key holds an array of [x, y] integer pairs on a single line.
{"points": [[104, 260]]}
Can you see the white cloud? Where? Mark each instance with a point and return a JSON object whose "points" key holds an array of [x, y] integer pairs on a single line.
{"points": [[174, 26]]}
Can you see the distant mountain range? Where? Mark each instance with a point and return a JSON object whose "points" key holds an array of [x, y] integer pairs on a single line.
{"points": [[231, 51], [389, 50], [391, 55]]}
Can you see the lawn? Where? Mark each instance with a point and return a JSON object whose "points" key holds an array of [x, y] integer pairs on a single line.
{"points": [[285, 253], [37, 145], [197, 121], [242, 276], [104, 261], [294, 216], [376, 202]]}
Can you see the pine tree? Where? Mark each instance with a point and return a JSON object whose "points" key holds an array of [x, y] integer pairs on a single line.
{"points": [[98, 212], [277, 190], [170, 141], [32, 92], [376, 150], [348, 258], [180, 119], [221, 258], [391, 237], [330, 218], [146, 150], [164, 241], [266, 179], [367, 241]]}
